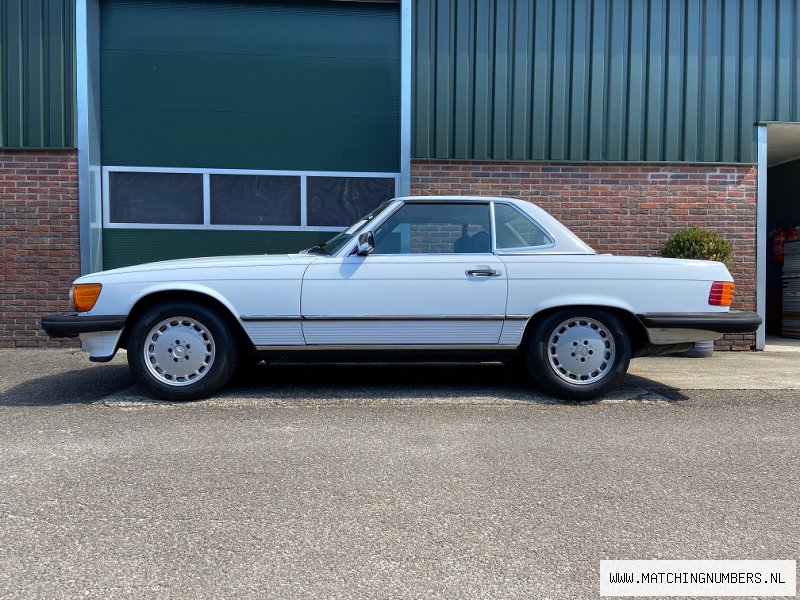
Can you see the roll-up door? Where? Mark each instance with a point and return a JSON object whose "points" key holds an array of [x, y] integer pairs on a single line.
{"points": [[244, 126]]}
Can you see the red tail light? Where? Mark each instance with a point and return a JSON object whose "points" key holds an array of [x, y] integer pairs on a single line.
{"points": [[721, 293]]}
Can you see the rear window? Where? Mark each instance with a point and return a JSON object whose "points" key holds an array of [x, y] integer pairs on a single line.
{"points": [[515, 230]]}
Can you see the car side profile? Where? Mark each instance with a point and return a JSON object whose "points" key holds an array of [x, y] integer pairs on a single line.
{"points": [[419, 278]]}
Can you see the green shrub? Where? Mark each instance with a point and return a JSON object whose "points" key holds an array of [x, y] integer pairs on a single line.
{"points": [[698, 244]]}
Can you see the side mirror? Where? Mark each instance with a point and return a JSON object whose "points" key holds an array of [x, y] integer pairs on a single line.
{"points": [[366, 243]]}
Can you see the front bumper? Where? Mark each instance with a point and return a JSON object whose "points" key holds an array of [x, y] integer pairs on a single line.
{"points": [[72, 324], [99, 335], [676, 328]]}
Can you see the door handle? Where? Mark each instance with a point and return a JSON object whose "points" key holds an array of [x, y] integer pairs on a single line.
{"points": [[483, 272]]}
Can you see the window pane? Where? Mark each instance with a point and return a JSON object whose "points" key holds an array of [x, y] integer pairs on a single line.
{"points": [[515, 230], [435, 229], [155, 198], [255, 200], [341, 201]]}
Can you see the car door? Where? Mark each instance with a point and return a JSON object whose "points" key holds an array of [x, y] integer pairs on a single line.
{"points": [[431, 280]]}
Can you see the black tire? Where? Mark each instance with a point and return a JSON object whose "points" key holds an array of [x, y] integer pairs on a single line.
{"points": [[216, 361], [550, 360]]}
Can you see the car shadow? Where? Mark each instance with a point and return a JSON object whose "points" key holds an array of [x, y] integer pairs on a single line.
{"points": [[402, 383], [80, 386], [409, 383], [390, 382]]}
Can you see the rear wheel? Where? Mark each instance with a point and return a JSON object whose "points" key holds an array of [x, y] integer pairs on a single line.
{"points": [[578, 353], [182, 351]]}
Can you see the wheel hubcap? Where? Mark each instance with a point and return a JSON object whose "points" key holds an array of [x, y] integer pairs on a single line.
{"points": [[179, 351], [581, 351]]}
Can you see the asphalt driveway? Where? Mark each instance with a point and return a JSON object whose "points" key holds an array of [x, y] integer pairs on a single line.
{"points": [[387, 481]]}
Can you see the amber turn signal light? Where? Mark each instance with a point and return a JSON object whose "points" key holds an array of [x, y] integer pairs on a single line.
{"points": [[84, 295], [721, 293]]}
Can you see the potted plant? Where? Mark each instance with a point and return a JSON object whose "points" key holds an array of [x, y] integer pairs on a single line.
{"points": [[699, 244]]}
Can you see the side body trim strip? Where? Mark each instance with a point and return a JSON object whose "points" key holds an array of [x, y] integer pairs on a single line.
{"points": [[251, 318], [390, 347]]}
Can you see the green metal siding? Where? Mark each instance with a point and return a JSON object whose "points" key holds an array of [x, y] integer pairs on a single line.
{"points": [[310, 85], [123, 247], [673, 80], [602, 80], [37, 73]]}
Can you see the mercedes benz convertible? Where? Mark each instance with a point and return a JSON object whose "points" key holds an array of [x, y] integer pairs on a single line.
{"points": [[417, 279]]}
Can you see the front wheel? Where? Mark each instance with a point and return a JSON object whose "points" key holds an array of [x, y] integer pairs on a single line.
{"points": [[578, 354], [182, 351]]}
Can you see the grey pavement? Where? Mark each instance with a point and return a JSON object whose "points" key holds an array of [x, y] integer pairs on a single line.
{"points": [[387, 481]]}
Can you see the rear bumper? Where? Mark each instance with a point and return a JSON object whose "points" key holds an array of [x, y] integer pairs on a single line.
{"points": [[72, 324], [676, 328], [735, 321]]}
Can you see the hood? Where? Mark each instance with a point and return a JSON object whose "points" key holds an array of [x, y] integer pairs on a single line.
{"points": [[212, 262]]}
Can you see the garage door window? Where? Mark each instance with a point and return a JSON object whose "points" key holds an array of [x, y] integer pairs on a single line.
{"points": [[255, 200], [230, 199], [341, 201], [173, 198]]}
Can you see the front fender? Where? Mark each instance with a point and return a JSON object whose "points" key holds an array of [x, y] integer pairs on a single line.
{"points": [[120, 298], [186, 287]]}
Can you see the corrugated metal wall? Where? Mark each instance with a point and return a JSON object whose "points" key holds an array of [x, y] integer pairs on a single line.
{"points": [[633, 80], [674, 80], [37, 73]]}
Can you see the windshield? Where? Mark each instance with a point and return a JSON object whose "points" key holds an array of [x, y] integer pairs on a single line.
{"points": [[333, 245]]}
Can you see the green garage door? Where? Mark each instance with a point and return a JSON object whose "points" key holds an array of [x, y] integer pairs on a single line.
{"points": [[246, 126]]}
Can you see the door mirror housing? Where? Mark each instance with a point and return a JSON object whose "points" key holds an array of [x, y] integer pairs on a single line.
{"points": [[366, 243]]}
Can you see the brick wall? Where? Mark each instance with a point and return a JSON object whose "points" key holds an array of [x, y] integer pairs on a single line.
{"points": [[623, 208], [39, 246], [619, 208]]}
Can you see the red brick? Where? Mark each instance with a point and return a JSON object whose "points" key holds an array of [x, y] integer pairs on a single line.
{"points": [[40, 246]]}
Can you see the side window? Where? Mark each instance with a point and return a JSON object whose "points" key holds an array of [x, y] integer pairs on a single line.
{"points": [[444, 228], [516, 230]]}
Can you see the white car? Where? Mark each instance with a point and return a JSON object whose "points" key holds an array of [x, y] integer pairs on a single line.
{"points": [[419, 278]]}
